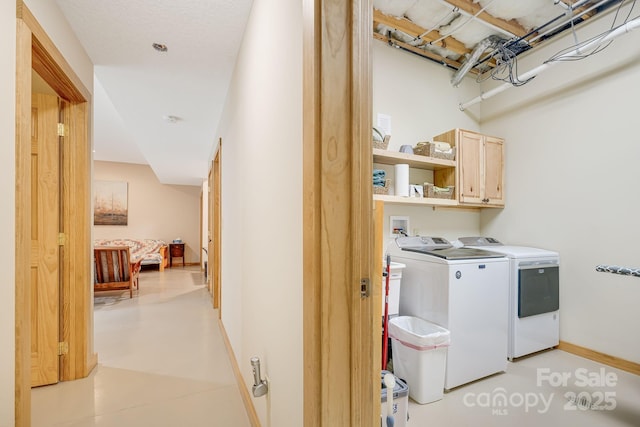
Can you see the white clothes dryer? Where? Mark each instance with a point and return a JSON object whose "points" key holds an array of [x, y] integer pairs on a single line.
{"points": [[534, 295]]}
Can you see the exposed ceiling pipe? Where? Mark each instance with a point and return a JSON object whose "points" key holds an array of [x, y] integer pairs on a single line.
{"points": [[578, 4], [490, 42], [564, 20], [619, 31], [568, 19]]}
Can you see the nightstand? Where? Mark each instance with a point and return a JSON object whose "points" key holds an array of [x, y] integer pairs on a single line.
{"points": [[176, 250]]}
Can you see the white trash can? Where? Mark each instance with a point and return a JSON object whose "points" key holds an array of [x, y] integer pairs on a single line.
{"points": [[419, 356]]}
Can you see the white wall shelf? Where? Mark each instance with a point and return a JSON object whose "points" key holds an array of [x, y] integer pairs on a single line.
{"points": [[422, 201], [413, 160]]}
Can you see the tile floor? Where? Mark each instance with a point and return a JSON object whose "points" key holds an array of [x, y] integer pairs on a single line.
{"points": [[535, 391], [161, 362]]}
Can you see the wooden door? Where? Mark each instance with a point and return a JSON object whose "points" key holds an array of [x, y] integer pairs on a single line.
{"points": [[45, 226], [470, 171], [209, 229], [340, 325], [494, 170], [215, 243]]}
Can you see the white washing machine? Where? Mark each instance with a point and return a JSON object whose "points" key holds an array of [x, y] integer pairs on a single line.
{"points": [[464, 290], [534, 295]]}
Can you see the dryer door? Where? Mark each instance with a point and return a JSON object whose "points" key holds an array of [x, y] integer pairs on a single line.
{"points": [[538, 290]]}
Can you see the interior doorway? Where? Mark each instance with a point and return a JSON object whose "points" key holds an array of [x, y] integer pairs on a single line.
{"points": [[215, 230], [71, 262]]}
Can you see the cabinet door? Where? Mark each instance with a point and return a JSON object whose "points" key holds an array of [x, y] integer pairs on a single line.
{"points": [[470, 165], [493, 171]]}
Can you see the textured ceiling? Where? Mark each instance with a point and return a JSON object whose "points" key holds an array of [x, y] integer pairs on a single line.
{"points": [[136, 86]]}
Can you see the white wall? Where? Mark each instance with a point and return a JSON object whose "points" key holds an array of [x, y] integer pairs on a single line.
{"points": [[416, 93], [156, 211], [571, 183], [7, 209], [261, 132]]}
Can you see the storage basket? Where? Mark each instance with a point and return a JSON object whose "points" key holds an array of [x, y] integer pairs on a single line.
{"points": [[381, 190], [429, 149], [434, 192], [381, 144], [382, 141]]}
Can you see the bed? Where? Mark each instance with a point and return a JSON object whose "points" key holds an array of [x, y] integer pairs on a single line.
{"points": [[149, 252]]}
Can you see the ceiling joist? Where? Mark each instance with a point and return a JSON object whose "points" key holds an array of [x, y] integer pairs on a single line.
{"points": [[425, 53], [412, 29], [468, 6]]}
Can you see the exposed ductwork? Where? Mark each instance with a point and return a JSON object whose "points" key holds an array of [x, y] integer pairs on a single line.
{"points": [[579, 50], [490, 42]]}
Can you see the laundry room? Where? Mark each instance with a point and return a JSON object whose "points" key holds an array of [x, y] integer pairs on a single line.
{"points": [[566, 179]]}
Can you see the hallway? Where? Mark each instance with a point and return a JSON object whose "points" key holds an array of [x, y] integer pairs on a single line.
{"points": [[161, 362]]}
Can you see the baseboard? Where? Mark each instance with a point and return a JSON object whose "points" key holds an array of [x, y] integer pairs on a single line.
{"points": [[596, 356], [186, 264], [244, 392], [92, 362]]}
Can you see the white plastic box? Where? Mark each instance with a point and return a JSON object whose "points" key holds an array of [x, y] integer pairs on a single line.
{"points": [[395, 281], [400, 403], [419, 356]]}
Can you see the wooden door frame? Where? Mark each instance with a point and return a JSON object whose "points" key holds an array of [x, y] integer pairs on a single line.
{"points": [[36, 52], [341, 337], [216, 212], [201, 210]]}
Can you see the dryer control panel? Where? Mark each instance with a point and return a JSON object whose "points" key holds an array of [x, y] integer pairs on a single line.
{"points": [[479, 241]]}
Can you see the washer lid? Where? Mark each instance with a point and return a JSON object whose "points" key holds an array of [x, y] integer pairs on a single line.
{"points": [[456, 253]]}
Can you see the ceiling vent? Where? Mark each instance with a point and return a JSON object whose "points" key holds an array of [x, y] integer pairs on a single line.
{"points": [[171, 119], [160, 47]]}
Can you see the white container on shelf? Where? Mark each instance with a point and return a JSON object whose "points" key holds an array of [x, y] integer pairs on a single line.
{"points": [[401, 181]]}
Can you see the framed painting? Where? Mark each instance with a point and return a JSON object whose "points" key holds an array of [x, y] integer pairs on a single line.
{"points": [[110, 205]]}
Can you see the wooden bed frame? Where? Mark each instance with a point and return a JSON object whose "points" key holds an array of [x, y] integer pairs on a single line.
{"points": [[114, 269], [164, 251]]}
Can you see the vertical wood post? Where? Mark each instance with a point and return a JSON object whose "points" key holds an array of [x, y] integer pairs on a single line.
{"points": [[341, 366]]}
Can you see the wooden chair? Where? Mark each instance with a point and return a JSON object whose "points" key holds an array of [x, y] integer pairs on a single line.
{"points": [[114, 269]]}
